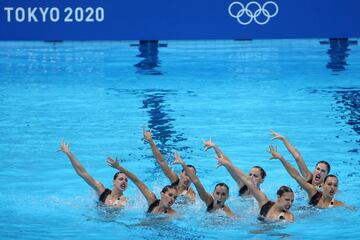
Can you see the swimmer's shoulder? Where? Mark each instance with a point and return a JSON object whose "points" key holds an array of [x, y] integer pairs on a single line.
{"points": [[191, 194], [339, 203], [289, 217], [171, 211]]}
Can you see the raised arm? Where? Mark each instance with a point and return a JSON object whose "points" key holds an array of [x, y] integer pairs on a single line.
{"points": [[150, 196], [80, 170], [257, 193], [159, 158], [208, 145], [305, 172], [205, 197], [309, 188]]}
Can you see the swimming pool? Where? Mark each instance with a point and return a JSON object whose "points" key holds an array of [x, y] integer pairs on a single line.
{"points": [[98, 95]]}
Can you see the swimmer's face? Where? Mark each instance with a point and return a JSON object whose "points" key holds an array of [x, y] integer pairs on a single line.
{"points": [[220, 195], [256, 177], [319, 174], [330, 187], [121, 182], [168, 198], [285, 201], [184, 178]]}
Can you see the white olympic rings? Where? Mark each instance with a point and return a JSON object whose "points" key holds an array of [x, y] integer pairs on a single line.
{"points": [[253, 15]]}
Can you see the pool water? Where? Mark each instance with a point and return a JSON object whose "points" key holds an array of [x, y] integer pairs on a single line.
{"points": [[99, 95]]}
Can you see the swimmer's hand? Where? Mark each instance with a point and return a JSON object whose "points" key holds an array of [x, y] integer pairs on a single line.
{"points": [[147, 134], [208, 144], [274, 153], [222, 161], [178, 159], [351, 208], [113, 163], [64, 147], [276, 135]]}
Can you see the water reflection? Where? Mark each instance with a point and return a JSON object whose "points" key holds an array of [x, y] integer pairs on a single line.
{"points": [[338, 52], [347, 103], [160, 119], [150, 63]]}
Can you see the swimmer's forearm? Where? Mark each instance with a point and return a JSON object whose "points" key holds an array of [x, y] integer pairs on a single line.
{"points": [[298, 158], [259, 195], [128, 174], [80, 170], [290, 169], [218, 151], [234, 174], [156, 152]]}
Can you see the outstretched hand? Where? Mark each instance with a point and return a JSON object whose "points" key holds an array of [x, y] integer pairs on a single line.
{"points": [[274, 153], [208, 144], [222, 160], [276, 135], [64, 147], [178, 159], [113, 163], [147, 134]]}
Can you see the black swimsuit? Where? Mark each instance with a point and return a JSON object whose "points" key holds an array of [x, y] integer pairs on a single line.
{"points": [[104, 195], [176, 183], [154, 205], [243, 190], [210, 207], [265, 210], [315, 199]]}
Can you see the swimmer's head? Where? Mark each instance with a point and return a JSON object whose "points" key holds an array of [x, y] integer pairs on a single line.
{"points": [[184, 178], [120, 181], [285, 198], [321, 170], [168, 196], [330, 186], [220, 194], [257, 175]]}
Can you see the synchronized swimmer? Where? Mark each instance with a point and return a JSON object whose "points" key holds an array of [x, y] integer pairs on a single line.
{"points": [[182, 183], [113, 197], [319, 185], [256, 173], [219, 196]]}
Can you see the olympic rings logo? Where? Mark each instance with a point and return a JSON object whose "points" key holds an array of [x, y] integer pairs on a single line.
{"points": [[251, 13]]}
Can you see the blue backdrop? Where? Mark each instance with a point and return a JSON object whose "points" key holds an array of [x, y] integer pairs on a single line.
{"points": [[177, 19]]}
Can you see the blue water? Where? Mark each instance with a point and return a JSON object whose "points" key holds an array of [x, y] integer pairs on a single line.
{"points": [[99, 95]]}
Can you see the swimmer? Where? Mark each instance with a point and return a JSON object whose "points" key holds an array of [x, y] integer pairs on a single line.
{"points": [[162, 205], [324, 199], [182, 182], [269, 210], [217, 199], [114, 197], [321, 170], [256, 173]]}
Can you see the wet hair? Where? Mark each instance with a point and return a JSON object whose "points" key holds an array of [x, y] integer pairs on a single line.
{"points": [[331, 175], [283, 189], [222, 185], [188, 165], [262, 171], [326, 163], [166, 188], [116, 174]]}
